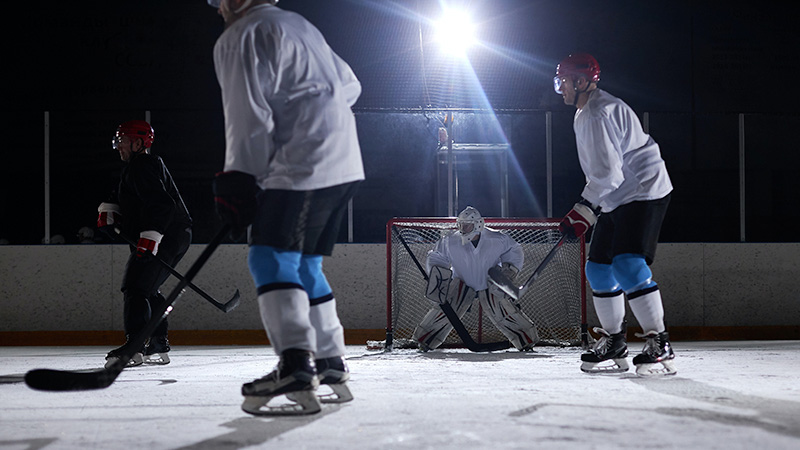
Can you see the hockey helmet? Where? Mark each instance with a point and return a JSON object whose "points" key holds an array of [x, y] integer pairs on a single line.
{"points": [[577, 64], [135, 129], [470, 224]]}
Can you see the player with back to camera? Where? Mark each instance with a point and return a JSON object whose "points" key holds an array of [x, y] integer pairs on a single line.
{"points": [[292, 163], [147, 204], [625, 198], [459, 267]]}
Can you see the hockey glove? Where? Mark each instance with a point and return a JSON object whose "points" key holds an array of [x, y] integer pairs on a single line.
{"points": [[235, 200], [509, 270], [108, 218], [148, 243], [578, 221]]}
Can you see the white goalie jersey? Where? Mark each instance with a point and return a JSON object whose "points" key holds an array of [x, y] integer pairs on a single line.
{"points": [[470, 263]]}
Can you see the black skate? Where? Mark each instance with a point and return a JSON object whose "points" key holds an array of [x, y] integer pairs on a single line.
{"points": [[113, 357], [333, 372], [295, 377], [657, 350], [156, 349], [608, 355]]}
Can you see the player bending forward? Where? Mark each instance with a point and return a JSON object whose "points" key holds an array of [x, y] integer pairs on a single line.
{"points": [[627, 180], [459, 267], [292, 163]]}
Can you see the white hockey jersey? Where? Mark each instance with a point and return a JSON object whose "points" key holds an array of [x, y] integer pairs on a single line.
{"points": [[621, 162], [470, 263], [287, 98]]}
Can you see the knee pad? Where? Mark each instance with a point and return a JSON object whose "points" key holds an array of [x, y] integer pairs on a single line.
{"points": [[632, 272], [270, 265], [601, 277], [312, 277]]}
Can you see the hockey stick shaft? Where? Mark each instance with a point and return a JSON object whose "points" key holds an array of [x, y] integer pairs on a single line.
{"points": [[458, 325], [224, 307], [61, 380]]}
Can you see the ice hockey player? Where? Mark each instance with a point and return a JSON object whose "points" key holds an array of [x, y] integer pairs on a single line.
{"points": [[625, 199], [292, 163], [146, 205], [458, 268]]}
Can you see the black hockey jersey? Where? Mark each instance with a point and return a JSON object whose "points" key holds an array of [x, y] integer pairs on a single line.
{"points": [[148, 197]]}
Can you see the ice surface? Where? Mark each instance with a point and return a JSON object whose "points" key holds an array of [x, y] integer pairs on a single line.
{"points": [[731, 395]]}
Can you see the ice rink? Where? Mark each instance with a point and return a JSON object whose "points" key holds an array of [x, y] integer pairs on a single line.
{"points": [[726, 395]]}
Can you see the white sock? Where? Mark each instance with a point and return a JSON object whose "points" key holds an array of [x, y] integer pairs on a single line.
{"points": [[610, 311], [329, 331], [649, 311], [285, 315]]}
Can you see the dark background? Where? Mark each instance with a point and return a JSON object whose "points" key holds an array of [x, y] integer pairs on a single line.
{"points": [[697, 68]]}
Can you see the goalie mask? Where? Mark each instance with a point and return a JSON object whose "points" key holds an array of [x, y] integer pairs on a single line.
{"points": [[470, 223]]}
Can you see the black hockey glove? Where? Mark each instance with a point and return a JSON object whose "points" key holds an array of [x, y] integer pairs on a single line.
{"points": [[235, 200]]}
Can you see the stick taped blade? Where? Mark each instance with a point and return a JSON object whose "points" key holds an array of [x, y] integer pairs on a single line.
{"points": [[61, 380]]}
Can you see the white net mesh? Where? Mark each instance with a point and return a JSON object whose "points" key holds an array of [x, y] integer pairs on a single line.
{"points": [[555, 301]]}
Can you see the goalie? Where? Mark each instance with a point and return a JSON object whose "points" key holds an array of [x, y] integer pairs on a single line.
{"points": [[458, 268]]}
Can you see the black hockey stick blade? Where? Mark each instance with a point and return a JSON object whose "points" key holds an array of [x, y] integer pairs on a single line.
{"points": [[462, 332], [224, 307], [66, 380]]}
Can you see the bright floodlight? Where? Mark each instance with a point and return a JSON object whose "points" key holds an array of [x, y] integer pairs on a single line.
{"points": [[455, 32]]}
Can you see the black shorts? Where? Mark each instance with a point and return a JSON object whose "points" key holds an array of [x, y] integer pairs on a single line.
{"points": [[631, 228], [305, 221]]}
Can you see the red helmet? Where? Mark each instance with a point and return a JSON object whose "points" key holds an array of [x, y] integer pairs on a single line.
{"points": [[136, 129], [579, 64]]}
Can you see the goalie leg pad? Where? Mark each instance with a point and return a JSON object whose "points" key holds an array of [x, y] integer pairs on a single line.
{"points": [[434, 327], [508, 317], [438, 284]]}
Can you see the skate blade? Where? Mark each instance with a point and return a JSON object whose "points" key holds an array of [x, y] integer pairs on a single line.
{"points": [[663, 368], [157, 359], [340, 393], [302, 403], [618, 365], [136, 360]]}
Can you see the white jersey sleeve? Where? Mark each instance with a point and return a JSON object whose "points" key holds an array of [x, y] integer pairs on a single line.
{"points": [[621, 162], [287, 97]]}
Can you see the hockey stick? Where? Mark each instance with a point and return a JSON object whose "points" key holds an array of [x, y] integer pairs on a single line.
{"points": [[224, 307], [461, 330], [505, 284], [65, 380]]}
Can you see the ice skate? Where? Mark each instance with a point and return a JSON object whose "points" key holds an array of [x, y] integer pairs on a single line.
{"points": [[333, 372], [156, 351], [113, 357], [657, 357], [295, 378], [608, 355]]}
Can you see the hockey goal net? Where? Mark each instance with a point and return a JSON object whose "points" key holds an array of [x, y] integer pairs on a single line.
{"points": [[555, 302]]}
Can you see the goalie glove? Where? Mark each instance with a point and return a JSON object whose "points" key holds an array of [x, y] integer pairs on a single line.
{"points": [[578, 221], [509, 270]]}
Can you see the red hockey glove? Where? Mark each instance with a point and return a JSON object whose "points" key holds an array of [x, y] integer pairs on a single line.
{"points": [[108, 217], [148, 243], [235, 200], [578, 221]]}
